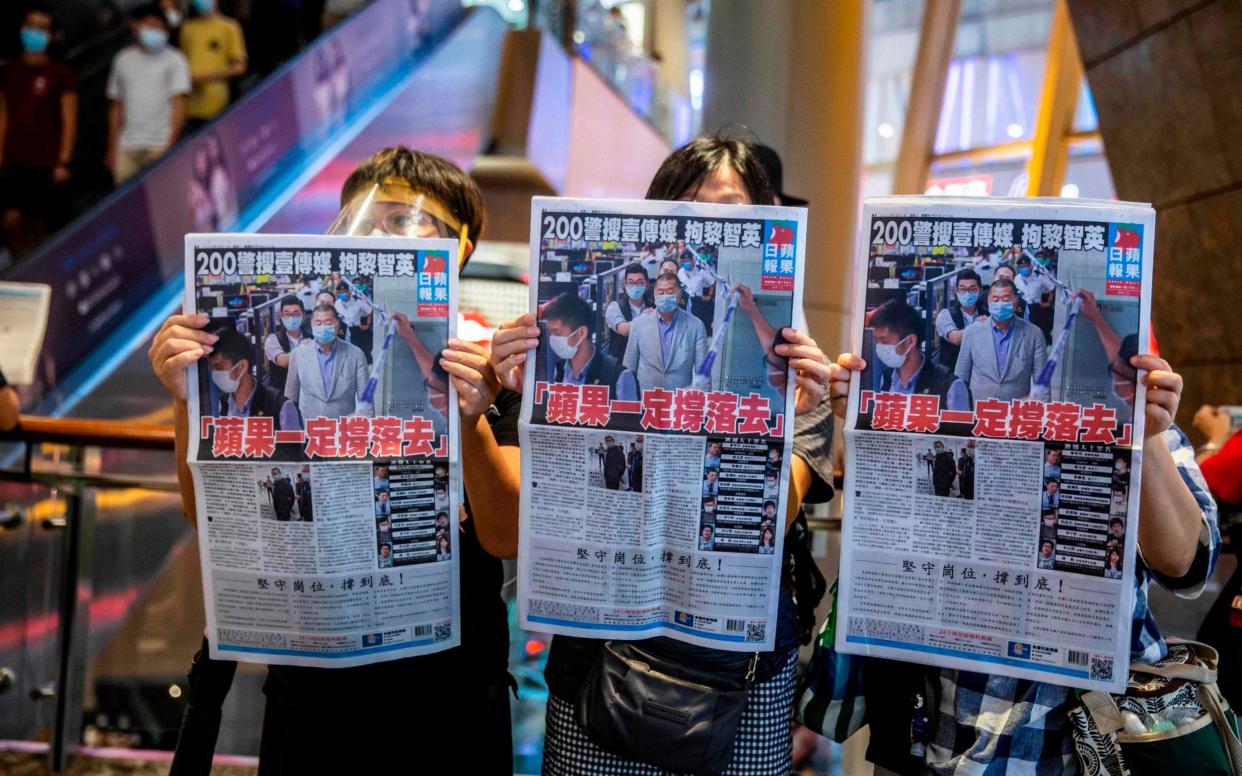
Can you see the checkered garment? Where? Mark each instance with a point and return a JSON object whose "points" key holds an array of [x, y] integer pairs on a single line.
{"points": [[763, 747], [993, 725]]}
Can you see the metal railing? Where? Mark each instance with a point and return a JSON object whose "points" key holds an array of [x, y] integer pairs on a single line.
{"points": [[75, 481]]}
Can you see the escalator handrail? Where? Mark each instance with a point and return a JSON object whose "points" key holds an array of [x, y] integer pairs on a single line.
{"points": [[85, 432]]}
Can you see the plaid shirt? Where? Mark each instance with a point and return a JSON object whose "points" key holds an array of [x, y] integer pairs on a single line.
{"points": [[992, 725]]}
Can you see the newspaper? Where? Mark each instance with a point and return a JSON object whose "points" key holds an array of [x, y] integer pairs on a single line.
{"points": [[327, 483], [23, 321], [991, 496], [655, 444]]}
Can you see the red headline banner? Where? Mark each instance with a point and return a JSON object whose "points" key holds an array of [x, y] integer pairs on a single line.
{"points": [[353, 436], [1029, 419], [685, 409]]}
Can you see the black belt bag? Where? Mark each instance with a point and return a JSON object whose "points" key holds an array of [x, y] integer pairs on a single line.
{"points": [[641, 707]]}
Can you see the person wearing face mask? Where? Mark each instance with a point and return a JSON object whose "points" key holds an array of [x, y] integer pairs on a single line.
{"points": [[578, 361], [944, 470], [356, 316], [147, 88], [292, 331], [621, 312], [1035, 286], [283, 496], [895, 326], [665, 348], [38, 127], [325, 381], [614, 463], [216, 50], [1001, 354], [961, 311], [241, 395]]}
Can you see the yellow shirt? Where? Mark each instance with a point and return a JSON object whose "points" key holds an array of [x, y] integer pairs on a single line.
{"points": [[211, 44]]}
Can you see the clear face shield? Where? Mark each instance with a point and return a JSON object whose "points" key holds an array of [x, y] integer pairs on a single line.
{"points": [[393, 208]]}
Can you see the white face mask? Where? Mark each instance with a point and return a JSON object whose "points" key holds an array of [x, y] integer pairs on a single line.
{"points": [[889, 356], [224, 380], [561, 347]]}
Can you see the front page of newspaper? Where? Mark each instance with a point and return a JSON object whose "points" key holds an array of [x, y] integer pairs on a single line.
{"points": [[323, 447], [657, 419], [994, 439]]}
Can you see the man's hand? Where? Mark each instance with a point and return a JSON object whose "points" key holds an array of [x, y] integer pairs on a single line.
{"points": [[811, 373], [841, 373], [179, 343], [1089, 308], [1214, 423], [472, 376], [1164, 392], [746, 299], [509, 350]]}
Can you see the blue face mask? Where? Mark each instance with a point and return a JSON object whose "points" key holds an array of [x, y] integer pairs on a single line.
{"points": [[967, 298], [343, 297], [1001, 311], [204, 6], [635, 292], [666, 303], [34, 40], [1024, 271], [323, 333], [292, 323], [152, 38]]}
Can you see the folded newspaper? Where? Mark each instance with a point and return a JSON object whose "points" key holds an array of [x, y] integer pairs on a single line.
{"points": [[322, 447], [994, 440], [657, 420]]}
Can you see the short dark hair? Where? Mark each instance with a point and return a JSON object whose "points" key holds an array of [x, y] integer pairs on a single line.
{"points": [[148, 11], [770, 503], [897, 316], [233, 345], [684, 170], [634, 268], [1003, 283], [291, 299], [40, 7], [327, 308], [442, 514], [1118, 521], [968, 274], [426, 173], [570, 309]]}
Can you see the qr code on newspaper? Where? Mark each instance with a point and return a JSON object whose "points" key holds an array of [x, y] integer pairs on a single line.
{"points": [[756, 631], [1102, 668], [443, 631]]}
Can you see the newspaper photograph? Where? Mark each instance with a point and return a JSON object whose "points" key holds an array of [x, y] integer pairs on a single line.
{"points": [[657, 419], [322, 446], [994, 439]]}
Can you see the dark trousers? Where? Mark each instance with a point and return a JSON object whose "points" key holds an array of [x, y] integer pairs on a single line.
{"points": [[210, 681]]}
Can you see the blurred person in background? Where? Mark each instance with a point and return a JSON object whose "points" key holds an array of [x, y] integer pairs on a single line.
{"points": [[38, 124], [147, 89], [216, 50], [1220, 457]]}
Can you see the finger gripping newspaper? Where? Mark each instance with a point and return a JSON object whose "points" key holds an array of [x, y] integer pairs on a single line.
{"points": [[994, 438], [657, 420], [322, 446]]}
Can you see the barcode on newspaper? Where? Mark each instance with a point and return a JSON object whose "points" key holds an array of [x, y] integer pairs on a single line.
{"points": [[422, 630], [1077, 658], [735, 626]]}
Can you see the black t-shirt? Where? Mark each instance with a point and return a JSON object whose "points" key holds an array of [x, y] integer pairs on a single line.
{"points": [[480, 661]]}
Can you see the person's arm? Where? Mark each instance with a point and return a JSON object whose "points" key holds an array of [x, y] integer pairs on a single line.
{"points": [[700, 342], [1041, 352], [237, 53], [614, 320], [68, 135], [1215, 425], [491, 471], [964, 361], [764, 330], [630, 359], [1173, 519], [178, 345], [116, 118], [362, 373], [1109, 338], [292, 381], [177, 123]]}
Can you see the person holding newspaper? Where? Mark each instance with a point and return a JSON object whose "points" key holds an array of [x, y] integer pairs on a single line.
{"points": [[997, 724], [304, 728], [724, 171]]}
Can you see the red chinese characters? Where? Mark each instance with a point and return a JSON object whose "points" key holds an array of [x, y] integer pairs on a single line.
{"points": [[991, 418], [924, 413], [321, 437], [657, 409], [1026, 419], [1098, 423], [1061, 421], [753, 412], [691, 410], [721, 412], [889, 413], [355, 436], [230, 438], [260, 437], [563, 401], [386, 439], [418, 435], [594, 409]]}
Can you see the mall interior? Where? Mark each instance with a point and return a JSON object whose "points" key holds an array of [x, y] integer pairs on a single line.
{"points": [[100, 590]]}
